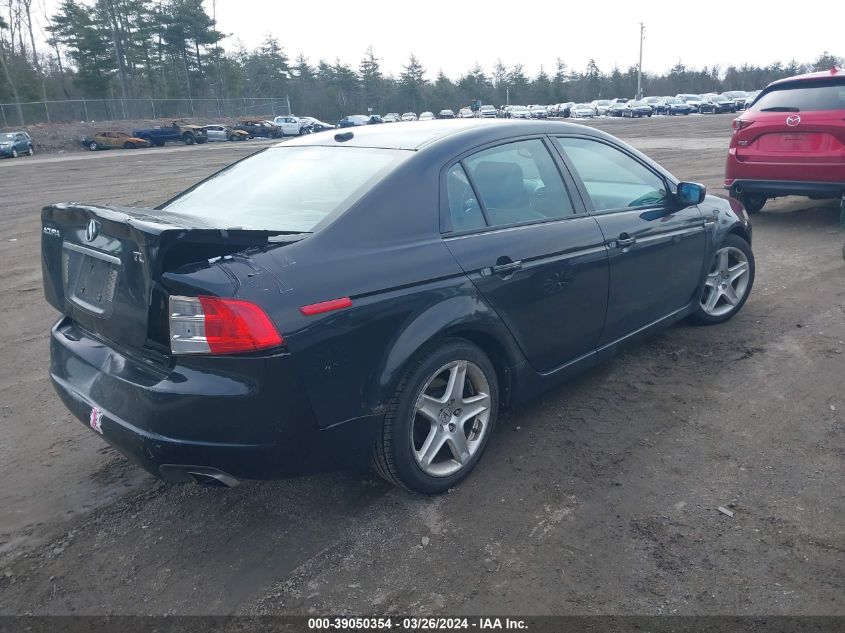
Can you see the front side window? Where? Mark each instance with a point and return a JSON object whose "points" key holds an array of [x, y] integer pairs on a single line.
{"points": [[613, 179], [519, 182]]}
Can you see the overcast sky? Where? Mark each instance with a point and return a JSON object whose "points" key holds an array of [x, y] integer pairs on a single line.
{"points": [[454, 35]]}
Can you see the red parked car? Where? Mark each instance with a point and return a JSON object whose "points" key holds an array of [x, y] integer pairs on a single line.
{"points": [[790, 141]]}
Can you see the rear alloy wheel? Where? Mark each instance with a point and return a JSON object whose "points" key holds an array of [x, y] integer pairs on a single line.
{"points": [[728, 283], [753, 203], [438, 424]]}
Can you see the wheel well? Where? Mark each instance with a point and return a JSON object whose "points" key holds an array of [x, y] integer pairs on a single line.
{"points": [[498, 355], [740, 231]]}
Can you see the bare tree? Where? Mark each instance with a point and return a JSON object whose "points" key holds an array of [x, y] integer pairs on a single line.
{"points": [[6, 73]]}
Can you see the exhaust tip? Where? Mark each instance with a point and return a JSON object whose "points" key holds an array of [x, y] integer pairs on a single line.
{"points": [[214, 480], [201, 475]]}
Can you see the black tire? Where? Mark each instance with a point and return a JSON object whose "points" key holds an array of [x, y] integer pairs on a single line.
{"points": [[188, 139], [393, 457], [753, 203], [159, 143], [129, 145], [14, 153], [93, 146], [30, 150], [700, 317]]}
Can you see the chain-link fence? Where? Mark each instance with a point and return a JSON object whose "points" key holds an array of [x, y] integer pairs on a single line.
{"points": [[74, 110]]}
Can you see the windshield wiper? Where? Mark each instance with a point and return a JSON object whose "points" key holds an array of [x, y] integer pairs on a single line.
{"points": [[780, 109]]}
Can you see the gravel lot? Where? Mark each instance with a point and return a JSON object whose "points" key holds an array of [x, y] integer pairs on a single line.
{"points": [[599, 498]]}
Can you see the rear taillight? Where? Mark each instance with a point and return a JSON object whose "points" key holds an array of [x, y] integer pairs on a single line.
{"points": [[741, 124], [215, 325]]}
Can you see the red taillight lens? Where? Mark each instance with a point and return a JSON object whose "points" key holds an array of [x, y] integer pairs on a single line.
{"points": [[741, 124], [215, 325]]}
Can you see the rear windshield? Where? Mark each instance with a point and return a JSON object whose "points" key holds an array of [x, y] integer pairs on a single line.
{"points": [[287, 188], [804, 97]]}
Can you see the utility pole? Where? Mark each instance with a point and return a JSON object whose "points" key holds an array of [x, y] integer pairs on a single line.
{"points": [[640, 66]]}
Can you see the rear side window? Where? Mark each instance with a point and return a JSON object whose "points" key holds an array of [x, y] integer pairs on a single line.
{"points": [[803, 97], [612, 178], [519, 182], [287, 188]]}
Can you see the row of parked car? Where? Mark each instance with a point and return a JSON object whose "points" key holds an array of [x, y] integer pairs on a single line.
{"points": [[681, 104], [190, 133]]}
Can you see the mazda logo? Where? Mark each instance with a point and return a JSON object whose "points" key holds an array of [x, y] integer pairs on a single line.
{"points": [[91, 231], [793, 120]]}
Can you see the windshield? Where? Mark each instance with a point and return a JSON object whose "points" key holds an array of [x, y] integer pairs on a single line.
{"points": [[287, 188], [804, 97], [603, 102], [8, 137]]}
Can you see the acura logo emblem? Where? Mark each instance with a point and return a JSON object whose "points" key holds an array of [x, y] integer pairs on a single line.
{"points": [[793, 120], [91, 231]]}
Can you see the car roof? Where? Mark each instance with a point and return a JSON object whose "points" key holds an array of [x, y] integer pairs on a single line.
{"points": [[468, 131], [817, 76]]}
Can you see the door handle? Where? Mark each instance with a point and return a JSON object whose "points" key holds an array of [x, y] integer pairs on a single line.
{"points": [[505, 269], [625, 240]]}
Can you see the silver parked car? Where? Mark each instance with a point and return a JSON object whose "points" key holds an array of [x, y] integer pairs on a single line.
{"points": [[582, 111], [224, 133], [520, 112]]}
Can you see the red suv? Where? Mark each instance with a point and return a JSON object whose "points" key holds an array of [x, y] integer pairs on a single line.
{"points": [[790, 141]]}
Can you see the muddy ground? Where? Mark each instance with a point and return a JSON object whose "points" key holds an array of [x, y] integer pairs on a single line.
{"points": [[598, 498]]}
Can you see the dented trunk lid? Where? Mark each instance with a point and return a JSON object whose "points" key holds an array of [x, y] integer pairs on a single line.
{"points": [[103, 266]]}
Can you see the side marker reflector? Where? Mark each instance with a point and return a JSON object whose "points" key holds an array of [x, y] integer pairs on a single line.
{"points": [[326, 306]]}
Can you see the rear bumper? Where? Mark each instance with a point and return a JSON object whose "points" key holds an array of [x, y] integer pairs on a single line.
{"points": [[245, 416], [774, 188]]}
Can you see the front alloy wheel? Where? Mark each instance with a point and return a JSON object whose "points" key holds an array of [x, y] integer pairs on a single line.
{"points": [[440, 419], [728, 283]]}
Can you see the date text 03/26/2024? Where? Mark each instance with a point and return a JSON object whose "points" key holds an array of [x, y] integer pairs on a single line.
{"points": [[415, 624]]}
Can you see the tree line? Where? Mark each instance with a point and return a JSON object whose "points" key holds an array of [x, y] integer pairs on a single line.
{"points": [[172, 49]]}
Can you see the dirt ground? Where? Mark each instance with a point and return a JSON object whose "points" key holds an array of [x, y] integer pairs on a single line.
{"points": [[599, 498]]}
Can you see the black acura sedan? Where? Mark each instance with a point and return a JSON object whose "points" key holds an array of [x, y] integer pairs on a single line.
{"points": [[377, 293]]}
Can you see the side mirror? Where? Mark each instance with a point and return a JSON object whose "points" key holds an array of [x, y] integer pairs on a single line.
{"points": [[690, 193]]}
